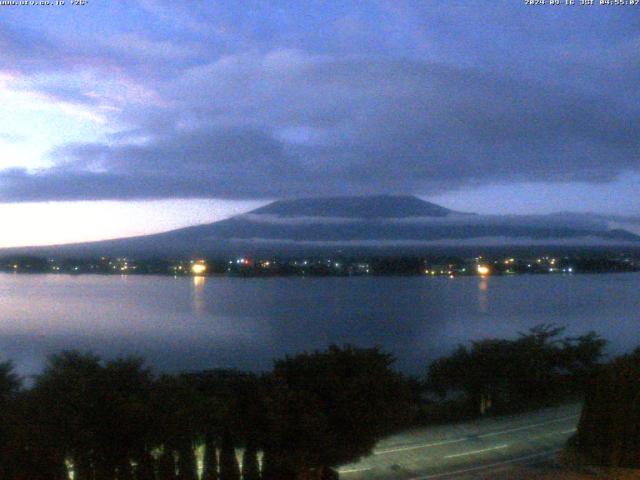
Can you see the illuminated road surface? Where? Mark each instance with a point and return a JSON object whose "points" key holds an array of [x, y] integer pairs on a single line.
{"points": [[469, 450]]}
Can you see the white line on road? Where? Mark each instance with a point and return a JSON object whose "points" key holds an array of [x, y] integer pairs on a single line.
{"points": [[421, 445], [526, 427], [484, 467], [353, 470], [474, 452], [458, 440]]}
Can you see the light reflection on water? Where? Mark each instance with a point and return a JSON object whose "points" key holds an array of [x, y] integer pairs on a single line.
{"points": [[197, 294], [483, 298], [206, 322]]}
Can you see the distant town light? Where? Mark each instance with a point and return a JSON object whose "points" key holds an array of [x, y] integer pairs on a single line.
{"points": [[483, 270], [198, 268]]}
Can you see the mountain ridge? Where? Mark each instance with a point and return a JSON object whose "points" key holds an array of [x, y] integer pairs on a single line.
{"points": [[392, 223], [374, 206]]}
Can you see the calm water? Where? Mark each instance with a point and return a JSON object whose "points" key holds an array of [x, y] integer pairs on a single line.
{"points": [[195, 323]]}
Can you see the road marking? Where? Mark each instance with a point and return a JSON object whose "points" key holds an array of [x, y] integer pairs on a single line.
{"points": [[458, 440], [526, 427], [422, 445], [353, 470], [474, 452], [564, 432], [484, 467]]}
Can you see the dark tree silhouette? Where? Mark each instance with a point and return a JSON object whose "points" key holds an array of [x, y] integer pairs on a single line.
{"points": [[166, 465], [231, 401], [97, 413], [609, 427], [229, 469], [178, 425], [329, 408], [67, 403], [250, 467], [127, 419], [186, 462], [581, 357], [210, 461], [145, 469], [506, 375], [113, 419], [9, 387]]}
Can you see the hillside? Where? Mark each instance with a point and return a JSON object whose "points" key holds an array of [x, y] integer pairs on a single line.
{"points": [[378, 223]]}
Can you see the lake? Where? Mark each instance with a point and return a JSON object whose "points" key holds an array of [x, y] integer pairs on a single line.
{"points": [[198, 323]]}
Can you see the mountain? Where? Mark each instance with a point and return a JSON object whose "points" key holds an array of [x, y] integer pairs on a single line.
{"points": [[381, 223], [376, 207]]}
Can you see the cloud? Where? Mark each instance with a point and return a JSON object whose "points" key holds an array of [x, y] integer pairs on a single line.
{"points": [[237, 111], [295, 221], [558, 220], [500, 241], [12, 138]]}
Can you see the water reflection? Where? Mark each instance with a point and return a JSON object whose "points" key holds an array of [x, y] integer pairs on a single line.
{"points": [[207, 322], [483, 296], [198, 283]]}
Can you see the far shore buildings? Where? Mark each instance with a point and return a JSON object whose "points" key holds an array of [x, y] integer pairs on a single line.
{"points": [[328, 265]]}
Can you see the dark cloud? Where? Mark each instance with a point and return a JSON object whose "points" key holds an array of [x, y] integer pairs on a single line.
{"points": [[284, 110]]}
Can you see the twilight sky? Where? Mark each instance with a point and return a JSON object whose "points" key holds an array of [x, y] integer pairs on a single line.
{"points": [[122, 118]]}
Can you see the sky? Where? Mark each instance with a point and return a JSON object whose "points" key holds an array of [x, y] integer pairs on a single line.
{"points": [[127, 118]]}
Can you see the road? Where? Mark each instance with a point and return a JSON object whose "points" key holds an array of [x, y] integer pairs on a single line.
{"points": [[468, 450]]}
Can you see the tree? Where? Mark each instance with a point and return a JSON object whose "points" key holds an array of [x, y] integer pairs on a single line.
{"points": [[250, 467], [229, 469], [186, 462], [210, 461], [178, 424], [94, 414], [231, 401], [513, 374], [581, 357], [127, 422], [66, 402], [329, 408], [10, 384], [609, 428], [166, 465]]}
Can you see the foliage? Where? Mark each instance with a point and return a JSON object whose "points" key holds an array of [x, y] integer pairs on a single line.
{"points": [[609, 428], [505, 375], [9, 387], [329, 408], [210, 460], [96, 411], [250, 467], [115, 419], [229, 468], [314, 411]]}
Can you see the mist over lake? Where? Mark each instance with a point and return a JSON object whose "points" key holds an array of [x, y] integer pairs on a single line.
{"points": [[199, 323]]}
